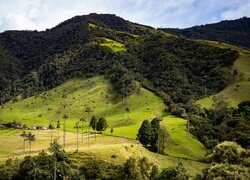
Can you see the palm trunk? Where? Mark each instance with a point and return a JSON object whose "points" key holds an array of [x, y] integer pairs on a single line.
{"points": [[88, 136], [23, 146], [77, 140], [64, 133], [82, 131], [29, 147]]}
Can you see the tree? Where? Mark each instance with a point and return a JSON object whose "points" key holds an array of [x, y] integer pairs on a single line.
{"points": [[65, 116], [155, 124], [93, 123], [30, 137], [227, 152], [141, 169], [145, 133], [58, 128], [82, 120], [77, 130], [174, 173], [101, 124], [24, 136], [163, 139], [224, 172]]}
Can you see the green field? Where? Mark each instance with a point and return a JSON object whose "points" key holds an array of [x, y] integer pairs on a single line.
{"points": [[239, 90], [96, 94]]}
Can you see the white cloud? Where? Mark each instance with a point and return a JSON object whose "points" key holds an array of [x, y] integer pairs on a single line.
{"points": [[42, 14]]}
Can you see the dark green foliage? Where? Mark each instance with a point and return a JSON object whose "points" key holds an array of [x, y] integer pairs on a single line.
{"points": [[43, 60], [145, 133], [93, 123], [233, 32], [94, 169], [227, 152], [101, 124], [221, 124], [140, 169], [9, 169], [174, 173], [154, 135], [225, 172], [155, 124], [122, 80], [168, 65]]}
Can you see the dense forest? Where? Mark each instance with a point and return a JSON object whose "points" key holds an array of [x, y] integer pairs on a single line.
{"points": [[236, 32]]}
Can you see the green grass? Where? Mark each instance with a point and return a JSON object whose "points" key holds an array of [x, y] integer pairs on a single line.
{"points": [[102, 147], [182, 144], [114, 45], [91, 25], [242, 64], [96, 93]]}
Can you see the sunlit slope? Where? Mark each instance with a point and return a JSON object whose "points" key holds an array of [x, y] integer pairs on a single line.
{"points": [[124, 116], [77, 96], [239, 90], [182, 143], [101, 147]]}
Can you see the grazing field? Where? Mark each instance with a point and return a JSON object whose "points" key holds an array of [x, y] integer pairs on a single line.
{"points": [[102, 147], [95, 94], [239, 90], [182, 144]]}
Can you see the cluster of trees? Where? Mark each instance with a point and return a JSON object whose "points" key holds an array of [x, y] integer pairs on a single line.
{"points": [[153, 136], [168, 66], [230, 161], [122, 80], [222, 123], [60, 165], [233, 32], [98, 124]]}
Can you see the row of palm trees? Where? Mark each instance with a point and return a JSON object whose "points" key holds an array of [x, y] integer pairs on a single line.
{"points": [[27, 137]]}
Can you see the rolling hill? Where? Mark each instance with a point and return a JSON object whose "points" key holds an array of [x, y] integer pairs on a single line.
{"points": [[95, 93]]}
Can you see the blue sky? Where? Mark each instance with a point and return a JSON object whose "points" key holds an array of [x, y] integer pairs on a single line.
{"points": [[43, 14]]}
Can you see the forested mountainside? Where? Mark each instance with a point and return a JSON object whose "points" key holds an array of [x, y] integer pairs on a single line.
{"points": [[85, 46], [235, 32]]}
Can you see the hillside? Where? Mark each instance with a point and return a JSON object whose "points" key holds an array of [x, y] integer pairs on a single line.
{"points": [[125, 117], [239, 90], [87, 46], [235, 32]]}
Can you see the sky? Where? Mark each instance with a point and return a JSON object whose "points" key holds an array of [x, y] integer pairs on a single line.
{"points": [[45, 14]]}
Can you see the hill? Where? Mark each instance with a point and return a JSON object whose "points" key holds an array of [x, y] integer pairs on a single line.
{"points": [[235, 32], [87, 46], [124, 116], [238, 90]]}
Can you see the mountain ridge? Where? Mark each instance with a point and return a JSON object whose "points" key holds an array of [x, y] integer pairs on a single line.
{"points": [[235, 32]]}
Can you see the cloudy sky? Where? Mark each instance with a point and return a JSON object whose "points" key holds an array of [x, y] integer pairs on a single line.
{"points": [[42, 14]]}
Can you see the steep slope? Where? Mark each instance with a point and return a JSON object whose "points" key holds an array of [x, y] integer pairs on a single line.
{"points": [[239, 90], [236, 32]]}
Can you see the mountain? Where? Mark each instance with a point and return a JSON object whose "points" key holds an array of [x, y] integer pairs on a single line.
{"points": [[104, 44], [235, 32]]}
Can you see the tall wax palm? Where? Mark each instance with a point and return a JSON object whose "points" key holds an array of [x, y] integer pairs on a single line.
{"points": [[82, 120], [58, 128], [65, 116], [77, 132], [24, 135], [30, 137]]}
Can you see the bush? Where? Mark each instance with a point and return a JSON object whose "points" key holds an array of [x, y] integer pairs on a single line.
{"points": [[225, 172], [227, 152]]}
